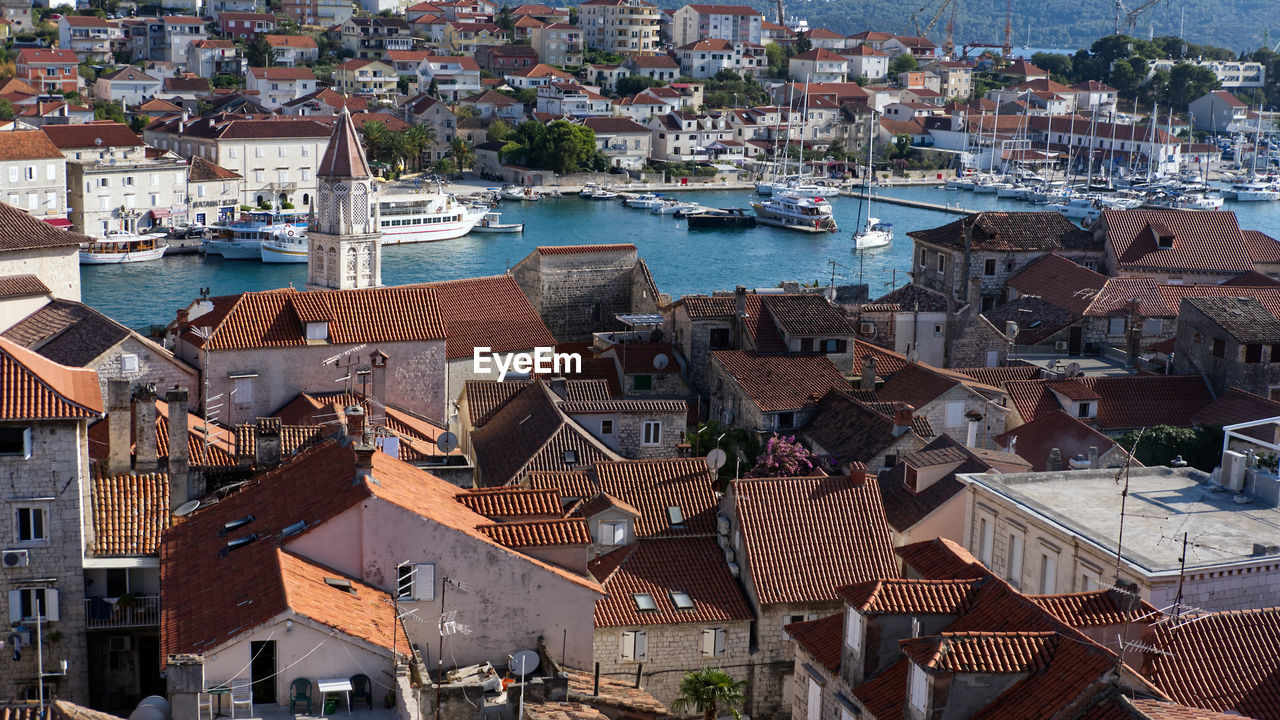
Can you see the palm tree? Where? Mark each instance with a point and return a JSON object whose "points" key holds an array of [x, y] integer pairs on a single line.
{"points": [[375, 137], [463, 153], [707, 691], [420, 137]]}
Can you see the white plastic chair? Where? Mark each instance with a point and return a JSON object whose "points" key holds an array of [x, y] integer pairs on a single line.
{"points": [[242, 696], [204, 701]]}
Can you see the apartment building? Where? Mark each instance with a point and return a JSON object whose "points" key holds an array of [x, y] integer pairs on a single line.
{"points": [[1233, 74], [207, 58], [735, 23], [53, 71], [705, 58], [165, 38], [455, 77], [276, 157], [372, 37], [89, 37], [366, 77], [278, 85], [318, 13], [33, 171], [626, 27], [293, 50], [246, 25], [557, 43]]}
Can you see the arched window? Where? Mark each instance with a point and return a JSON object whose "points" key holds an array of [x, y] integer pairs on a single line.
{"points": [[351, 264]]}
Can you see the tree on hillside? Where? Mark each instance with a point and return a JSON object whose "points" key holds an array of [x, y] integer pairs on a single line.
{"points": [[632, 84], [1188, 82], [777, 57], [1059, 66], [1127, 74], [906, 62], [803, 44], [259, 52]]}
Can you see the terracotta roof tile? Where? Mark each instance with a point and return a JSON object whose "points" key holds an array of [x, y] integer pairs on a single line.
{"points": [[1097, 608], [130, 513], [1244, 318], [1200, 241], [35, 388], [1059, 281], [1220, 661], [1034, 440], [940, 559], [807, 315], [1127, 401], [68, 333], [530, 533], [982, 652], [658, 567], [612, 694], [12, 286], [820, 639], [1237, 406], [571, 484], [806, 537], [513, 502], [916, 385], [202, 170], [292, 41], [562, 711], [778, 383], [912, 297], [20, 231], [850, 430], [623, 405], [998, 376], [904, 505], [576, 249], [1151, 709], [892, 596], [1011, 231], [28, 145], [653, 486]]}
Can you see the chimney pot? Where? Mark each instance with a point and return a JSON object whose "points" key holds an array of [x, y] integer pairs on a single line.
{"points": [[179, 451], [144, 429], [1094, 464], [868, 373], [355, 423], [364, 461], [1055, 460], [378, 408], [903, 415], [267, 444]]}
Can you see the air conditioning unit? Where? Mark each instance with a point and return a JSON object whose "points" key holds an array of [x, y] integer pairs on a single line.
{"points": [[722, 524], [867, 328], [119, 643], [15, 558], [734, 570], [1060, 346], [730, 555]]}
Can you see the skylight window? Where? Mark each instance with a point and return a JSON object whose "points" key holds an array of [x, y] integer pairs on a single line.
{"points": [[237, 523], [294, 529], [675, 516], [644, 601], [340, 584], [681, 600]]}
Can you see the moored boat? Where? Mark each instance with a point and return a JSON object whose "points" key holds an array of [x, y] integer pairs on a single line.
{"points": [[123, 247], [795, 212], [721, 218], [492, 223], [425, 218], [283, 248]]}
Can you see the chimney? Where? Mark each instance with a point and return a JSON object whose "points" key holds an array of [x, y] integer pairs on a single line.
{"points": [[267, 449], [118, 424], [1093, 458], [974, 417], [184, 319], [856, 472], [903, 414], [975, 294], [868, 373], [179, 453], [355, 423], [740, 316], [364, 461], [559, 386], [144, 429], [1055, 460], [377, 408]]}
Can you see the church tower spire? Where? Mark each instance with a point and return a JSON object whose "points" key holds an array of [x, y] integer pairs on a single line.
{"points": [[344, 238]]}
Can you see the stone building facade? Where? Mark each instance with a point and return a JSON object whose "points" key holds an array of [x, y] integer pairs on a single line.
{"points": [[579, 289], [642, 430], [672, 651], [1233, 342]]}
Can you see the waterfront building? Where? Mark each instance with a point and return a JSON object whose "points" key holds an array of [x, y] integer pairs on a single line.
{"points": [[38, 261], [1232, 74], [92, 38], [34, 173], [213, 191]]}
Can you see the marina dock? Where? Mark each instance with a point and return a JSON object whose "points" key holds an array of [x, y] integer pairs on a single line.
{"points": [[919, 205]]}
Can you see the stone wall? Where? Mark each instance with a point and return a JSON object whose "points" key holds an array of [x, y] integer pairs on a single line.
{"points": [[830, 685], [629, 429], [155, 365], [57, 469], [662, 385], [580, 293], [1196, 335], [693, 339], [57, 268], [1003, 266], [728, 396], [992, 425], [773, 685], [673, 651]]}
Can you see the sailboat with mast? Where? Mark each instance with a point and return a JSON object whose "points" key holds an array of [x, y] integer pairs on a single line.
{"points": [[874, 234]]}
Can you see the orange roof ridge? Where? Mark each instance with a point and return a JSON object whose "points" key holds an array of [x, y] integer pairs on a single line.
{"points": [[39, 388]]}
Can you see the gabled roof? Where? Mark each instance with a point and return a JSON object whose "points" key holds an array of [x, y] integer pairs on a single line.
{"points": [[28, 145], [653, 486], [820, 639], [35, 388], [283, 73], [273, 318], [485, 397], [130, 514], [804, 538], [513, 502], [1243, 318], [1037, 319], [1059, 281], [202, 170], [13, 286], [301, 42], [1056, 429], [1174, 240], [807, 315], [1237, 406], [940, 559], [895, 596], [851, 430], [909, 297], [1126, 401], [1223, 661], [67, 332], [659, 567], [780, 383], [1096, 608], [539, 533], [1011, 231], [97, 134], [998, 376], [491, 311], [159, 105], [54, 56], [819, 54], [905, 505]]}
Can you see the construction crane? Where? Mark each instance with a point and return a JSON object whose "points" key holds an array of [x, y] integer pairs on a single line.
{"points": [[915, 18], [782, 17], [949, 44], [1131, 16], [1008, 28]]}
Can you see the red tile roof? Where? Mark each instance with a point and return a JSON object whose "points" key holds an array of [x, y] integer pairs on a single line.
{"points": [[292, 41], [804, 538], [272, 318], [1127, 401], [1262, 247], [852, 430], [820, 639], [283, 73], [1059, 281], [940, 559], [778, 383], [1221, 661], [54, 56], [1056, 429], [998, 376], [1237, 406], [130, 513], [658, 567], [1096, 608], [96, 134], [202, 170], [28, 145], [12, 286], [1201, 241], [344, 156], [513, 502], [1011, 231], [909, 597], [653, 486], [488, 311], [35, 388], [982, 652], [723, 9], [539, 533]]}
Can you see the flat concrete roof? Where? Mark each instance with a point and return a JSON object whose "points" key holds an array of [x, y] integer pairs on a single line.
{"points": [[1163, 503]]}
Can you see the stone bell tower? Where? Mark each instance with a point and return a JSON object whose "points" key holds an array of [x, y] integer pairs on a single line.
{"points": [[344, 250]]}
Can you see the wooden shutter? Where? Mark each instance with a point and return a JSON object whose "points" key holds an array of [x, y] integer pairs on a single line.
{"points": [[628, 645], [50, 604], [405, 575], [15, 606], [642, 645], [719, 641], [424, 582], [708, 641]]}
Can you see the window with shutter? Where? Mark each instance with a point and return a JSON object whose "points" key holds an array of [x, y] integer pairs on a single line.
{"points": [[815, 701], [424, 583], [634, 645], [713, 640]]}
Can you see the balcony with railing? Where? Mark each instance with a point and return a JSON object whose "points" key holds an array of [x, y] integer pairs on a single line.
{"points": [[128, 611]]}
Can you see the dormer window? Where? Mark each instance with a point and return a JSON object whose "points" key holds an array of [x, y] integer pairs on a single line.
{"points": [[612, 532], [318, 331], [1086, 409]]}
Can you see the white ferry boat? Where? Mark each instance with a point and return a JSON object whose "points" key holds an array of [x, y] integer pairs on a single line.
{"points": [[284, 248], [425, 218], [242, 240], [793, 212]]}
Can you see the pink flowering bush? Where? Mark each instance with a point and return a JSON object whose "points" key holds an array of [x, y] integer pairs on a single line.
{"points": [[783, 457]]}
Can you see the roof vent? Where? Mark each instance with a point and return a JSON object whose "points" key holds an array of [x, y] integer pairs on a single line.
{"points": [[235, 524], [294, 529], [342, 584], [239, 543]]}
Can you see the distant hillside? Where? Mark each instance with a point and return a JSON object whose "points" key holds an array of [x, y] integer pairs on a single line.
{"points": [[1234, 24]]}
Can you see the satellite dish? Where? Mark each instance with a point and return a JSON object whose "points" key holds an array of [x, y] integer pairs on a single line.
{"points": [[660, 361], [1011, 329], [447, 442], [186, 508], [716, 459], [1073, 369], [525, 662]]}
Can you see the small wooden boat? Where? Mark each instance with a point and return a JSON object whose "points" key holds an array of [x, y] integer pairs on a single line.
{"points": [[721, 218], [492, 223], [123, 247]]}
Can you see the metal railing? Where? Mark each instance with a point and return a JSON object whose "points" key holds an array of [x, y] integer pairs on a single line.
{"points": [[137, 611]]}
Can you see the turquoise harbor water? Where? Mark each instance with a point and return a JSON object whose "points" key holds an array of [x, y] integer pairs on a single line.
{"points": [[682, 261]]}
